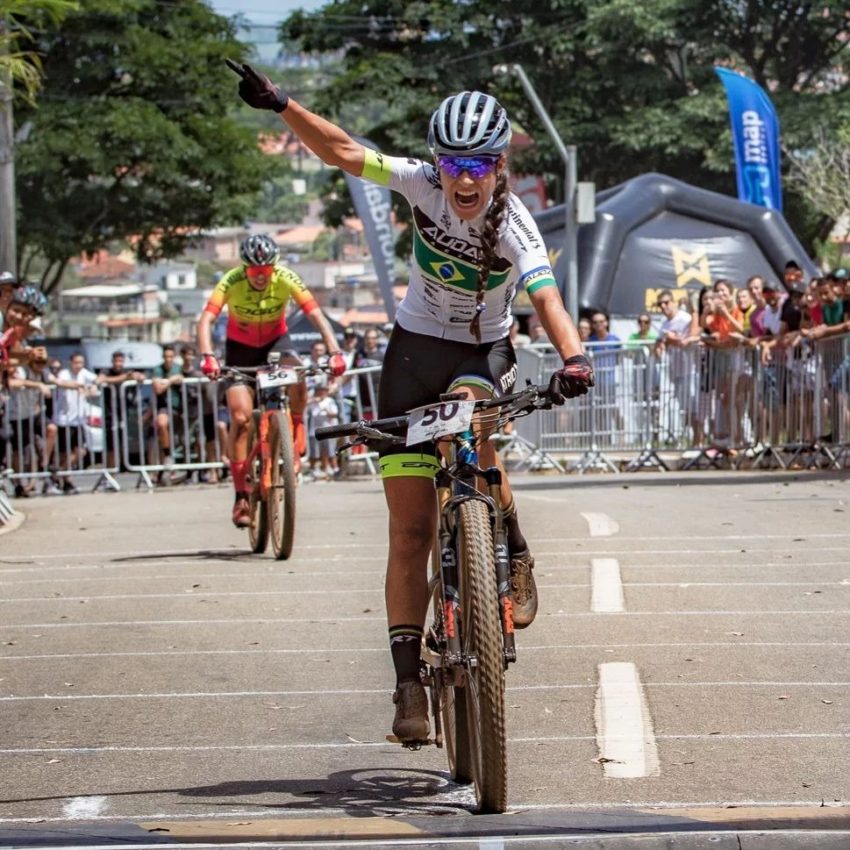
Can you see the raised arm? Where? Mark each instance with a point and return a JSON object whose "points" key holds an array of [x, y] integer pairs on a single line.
{"points": [[330, 143]]}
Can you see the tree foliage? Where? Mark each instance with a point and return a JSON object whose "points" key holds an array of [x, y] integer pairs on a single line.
{"points": [[19, 63], [631, 84], [131, 140]]}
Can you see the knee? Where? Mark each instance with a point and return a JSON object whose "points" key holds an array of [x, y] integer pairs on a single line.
{"points": [[239, 420], [411, 537]]}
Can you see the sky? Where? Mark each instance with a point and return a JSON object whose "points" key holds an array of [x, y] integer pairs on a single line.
{"points": [[263, 11]]}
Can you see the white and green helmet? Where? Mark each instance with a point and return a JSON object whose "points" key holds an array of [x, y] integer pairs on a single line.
{"points": [[469, 123]]}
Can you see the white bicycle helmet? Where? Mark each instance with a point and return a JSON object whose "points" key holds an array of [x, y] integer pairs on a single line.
{"points": [[259, 250], [469, 123]]}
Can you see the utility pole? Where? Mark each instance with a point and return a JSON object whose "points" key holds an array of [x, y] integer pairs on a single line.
{"points": [[568, 155], [8, 207]]}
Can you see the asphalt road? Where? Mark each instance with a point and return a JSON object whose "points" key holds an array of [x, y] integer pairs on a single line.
{"points": [[156, 681]]}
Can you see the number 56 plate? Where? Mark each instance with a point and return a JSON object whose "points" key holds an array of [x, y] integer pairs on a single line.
{"points": [[438, 420], [278, 378]]}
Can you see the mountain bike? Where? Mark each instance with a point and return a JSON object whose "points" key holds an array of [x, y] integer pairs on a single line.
{"points": [[470, 641], [271, 454]]}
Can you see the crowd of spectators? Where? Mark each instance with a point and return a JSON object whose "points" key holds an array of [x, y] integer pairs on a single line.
{"points": [[57, 418]]}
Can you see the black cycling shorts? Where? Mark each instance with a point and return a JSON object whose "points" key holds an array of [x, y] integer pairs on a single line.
{"points": [[418, 368], [243, 356]]}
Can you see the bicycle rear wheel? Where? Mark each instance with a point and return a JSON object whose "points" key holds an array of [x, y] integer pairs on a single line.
{"points": [[281, 498], [258, 530], [481, 638], [452, 700]]}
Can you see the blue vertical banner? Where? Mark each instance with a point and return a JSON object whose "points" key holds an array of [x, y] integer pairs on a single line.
{"points": [[755, 134]]}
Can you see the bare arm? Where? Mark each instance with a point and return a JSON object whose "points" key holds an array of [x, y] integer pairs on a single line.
{"points": [[556, 321], [321, 324], [205, 324], [330, 143]]}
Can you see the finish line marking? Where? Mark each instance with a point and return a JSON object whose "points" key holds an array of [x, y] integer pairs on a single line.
{"points": [[607, 586], [84, 808], [626, 740], [601, 525]]}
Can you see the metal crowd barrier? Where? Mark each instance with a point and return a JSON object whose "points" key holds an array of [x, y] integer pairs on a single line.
{"points": [[694, 407]]}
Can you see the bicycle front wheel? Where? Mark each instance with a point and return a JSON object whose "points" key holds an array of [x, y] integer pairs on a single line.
{"points": [[481, 639], [281, 498], [258, 530]]}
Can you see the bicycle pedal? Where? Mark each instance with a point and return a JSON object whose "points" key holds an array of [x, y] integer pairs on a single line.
{"points": [[410, 745]]}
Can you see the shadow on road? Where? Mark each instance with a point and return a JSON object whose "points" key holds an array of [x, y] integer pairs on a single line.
{"points": [[360, 793], [200, 555]]}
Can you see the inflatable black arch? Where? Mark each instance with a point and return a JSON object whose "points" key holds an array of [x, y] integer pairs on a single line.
{"points": [[654, 232]]}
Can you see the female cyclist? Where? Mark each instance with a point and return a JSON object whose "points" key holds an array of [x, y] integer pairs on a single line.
{"points": [[474, 242]]}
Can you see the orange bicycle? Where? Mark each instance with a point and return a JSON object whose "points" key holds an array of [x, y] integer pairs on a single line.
{"points": [[271, 454]]}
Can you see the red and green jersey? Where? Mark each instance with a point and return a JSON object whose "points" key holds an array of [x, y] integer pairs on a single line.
{"points": [[258, 317]]}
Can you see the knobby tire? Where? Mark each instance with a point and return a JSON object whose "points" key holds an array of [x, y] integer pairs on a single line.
{"points": [[258, 530], [281, 499], [481, 638]]}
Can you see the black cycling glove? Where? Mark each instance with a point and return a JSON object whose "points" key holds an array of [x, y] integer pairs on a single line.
{"points": [[576, 378], [257, 90]]}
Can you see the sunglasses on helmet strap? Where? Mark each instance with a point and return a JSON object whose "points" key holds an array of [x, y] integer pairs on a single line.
{"points": [[476, 166]]}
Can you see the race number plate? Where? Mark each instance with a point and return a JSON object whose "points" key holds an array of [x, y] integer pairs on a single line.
{"points": [[278, 378], [438, 420]]}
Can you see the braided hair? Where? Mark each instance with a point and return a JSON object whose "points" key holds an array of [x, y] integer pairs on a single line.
{"points": [[489, 240]]}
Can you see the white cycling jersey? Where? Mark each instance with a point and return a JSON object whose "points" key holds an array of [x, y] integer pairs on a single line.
{"points": [[441, 296]]}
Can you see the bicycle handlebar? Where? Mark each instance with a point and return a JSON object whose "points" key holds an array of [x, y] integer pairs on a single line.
{"points": [[393, 428], [250, 372]]}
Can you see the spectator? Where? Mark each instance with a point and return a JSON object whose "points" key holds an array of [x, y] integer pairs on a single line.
{"points": [[723, 318], [792, 276], [113, 423], [29, 428], [674, 335], [584, 329], [723, 325], [77, 387], [603, 347], [351, 355], [167, 379], [536, 331], [755, 286], [645, 333], [371, 352], [517, 338], [322, 410]]}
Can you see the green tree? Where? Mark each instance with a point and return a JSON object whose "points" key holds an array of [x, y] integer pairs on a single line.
{"points": [[19, 63], [132, 141], [631, 84]]}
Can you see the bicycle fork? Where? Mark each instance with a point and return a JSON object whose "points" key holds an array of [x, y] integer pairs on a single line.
{"points": [[449, 567]]}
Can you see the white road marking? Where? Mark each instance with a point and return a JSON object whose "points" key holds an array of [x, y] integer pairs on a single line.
{"points": [[752, 612], [607, 593], [601, 525], [625, 737], [84, 808], [383, 691], [344, 745], [556, 567], [560, 647], [555, 553], [228, 554]]}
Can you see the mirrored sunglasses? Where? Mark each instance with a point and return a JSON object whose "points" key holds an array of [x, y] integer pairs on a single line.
{"points": [[476, 166], [256, 271]]}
